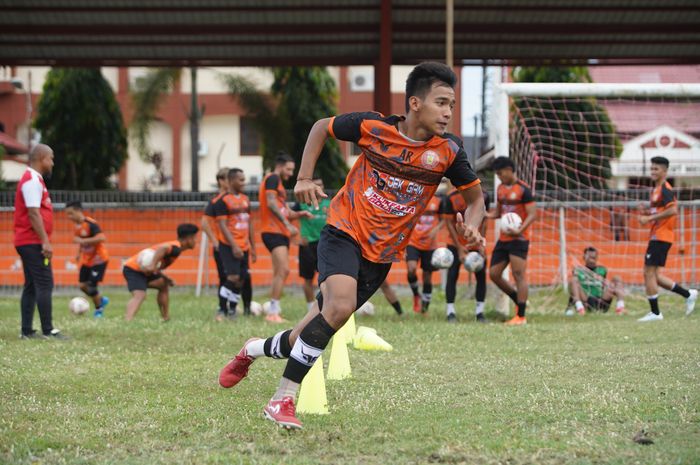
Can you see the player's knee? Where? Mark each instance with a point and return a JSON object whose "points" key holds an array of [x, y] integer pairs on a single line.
{"points": [[494, 274], [519, 275], [339, 308]]}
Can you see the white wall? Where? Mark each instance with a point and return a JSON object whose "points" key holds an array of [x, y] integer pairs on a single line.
{"points": [[209, 79]]}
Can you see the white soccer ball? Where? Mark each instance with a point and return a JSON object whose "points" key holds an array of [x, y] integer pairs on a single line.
{"points": [[266, 307], [442, 258], [255, 308], [78, 305], [366, 309], [473, 262], [145, 258], [511, 221]]}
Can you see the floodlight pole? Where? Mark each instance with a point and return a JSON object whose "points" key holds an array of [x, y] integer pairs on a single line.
{"points": [[194, 132]]}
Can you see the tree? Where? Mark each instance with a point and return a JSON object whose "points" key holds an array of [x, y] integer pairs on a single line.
{"points": [[582, 136], [80, 119]]}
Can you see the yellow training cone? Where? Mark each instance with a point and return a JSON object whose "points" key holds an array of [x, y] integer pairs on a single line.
{"points": [[339, 364], [312, 393], [367, 339], [350, 334]]}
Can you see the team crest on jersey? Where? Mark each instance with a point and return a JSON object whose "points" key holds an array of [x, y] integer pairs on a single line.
{"points": [[430, 159], [513, 195]]}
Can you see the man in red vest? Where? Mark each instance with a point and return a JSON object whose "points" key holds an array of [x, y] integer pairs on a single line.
{"points": [[33, 223]]}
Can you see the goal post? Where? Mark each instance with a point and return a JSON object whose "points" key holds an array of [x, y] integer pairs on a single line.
{"points": [[570, 143]]}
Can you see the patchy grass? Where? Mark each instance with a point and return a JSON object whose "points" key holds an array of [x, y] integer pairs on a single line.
{"points": [[561, 390]]}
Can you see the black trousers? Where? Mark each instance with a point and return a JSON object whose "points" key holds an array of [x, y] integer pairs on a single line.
{"points": [[38, 286]]}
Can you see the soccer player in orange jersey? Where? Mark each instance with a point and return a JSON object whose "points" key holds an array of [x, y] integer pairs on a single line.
{"points": [[454, 203], [420, 248], [403, 160], [661, 216], [277, 228], [512, 195], [139, 278], [235, 236], [92, 254], [211, 229]]}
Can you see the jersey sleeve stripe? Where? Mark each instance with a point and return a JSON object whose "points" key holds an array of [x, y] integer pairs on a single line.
{"points": [[330, 127], [471, 184]]}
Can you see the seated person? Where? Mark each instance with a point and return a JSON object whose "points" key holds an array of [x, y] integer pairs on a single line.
{"points": [[590, 290]]}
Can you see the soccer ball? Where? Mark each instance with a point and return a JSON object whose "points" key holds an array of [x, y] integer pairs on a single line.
{"points": [[255, 308], [366, 309], [473, 262], [442, 258], [145, 258], [511, 221], [78, 305]]}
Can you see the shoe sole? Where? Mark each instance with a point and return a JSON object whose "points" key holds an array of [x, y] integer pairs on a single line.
{"points": [[281, 424]]}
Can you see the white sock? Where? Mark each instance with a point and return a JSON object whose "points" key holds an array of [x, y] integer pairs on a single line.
{"points": [[620, 303], [450, 309], [309, 305], [480, 308], [427, 297], [275, 307], [579, 305], [255, 348], [287, 388]]}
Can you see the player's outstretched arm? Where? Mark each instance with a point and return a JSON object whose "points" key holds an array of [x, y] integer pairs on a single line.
{"points": [[305, 190]]}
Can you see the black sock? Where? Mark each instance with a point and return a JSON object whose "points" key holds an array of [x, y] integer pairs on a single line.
{"points": [[571, 302], [413, 283], [223, 304], [514, 297], [681, 291], [308, 347], [247, 292], [397, 307], [278, 345], [521, 309], [654, 304], [427, 288]]}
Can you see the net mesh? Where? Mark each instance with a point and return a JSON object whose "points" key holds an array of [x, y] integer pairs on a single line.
{"points": [[587, 161]]}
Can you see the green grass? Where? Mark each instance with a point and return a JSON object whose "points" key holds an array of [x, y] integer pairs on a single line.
{"points": [[561, 390]]}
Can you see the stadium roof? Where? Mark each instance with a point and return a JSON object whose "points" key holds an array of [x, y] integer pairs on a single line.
{"points": [[344, 32]]}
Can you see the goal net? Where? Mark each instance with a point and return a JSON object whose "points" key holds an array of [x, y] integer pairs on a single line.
{"points": [[585, 150]]}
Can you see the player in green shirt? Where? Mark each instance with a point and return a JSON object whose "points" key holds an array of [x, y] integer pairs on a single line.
{"points": [[310, 232], [590, 289]]}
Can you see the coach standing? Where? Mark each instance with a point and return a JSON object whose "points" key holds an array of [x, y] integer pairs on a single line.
{"points": [[33, 223]]}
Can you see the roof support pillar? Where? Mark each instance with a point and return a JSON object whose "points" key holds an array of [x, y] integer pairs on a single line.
{"points": [[382, 67]]}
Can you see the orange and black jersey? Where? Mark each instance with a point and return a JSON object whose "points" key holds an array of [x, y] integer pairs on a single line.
{"points": [[92, 254], [454, 203], [174, 249], [235, 209], [392, 182], [211, 215], [270, 223], [428, 221], [514, 199], [662, 198]]}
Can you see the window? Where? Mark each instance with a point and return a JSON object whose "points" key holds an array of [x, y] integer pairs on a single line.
{"points": [[250, 138]]}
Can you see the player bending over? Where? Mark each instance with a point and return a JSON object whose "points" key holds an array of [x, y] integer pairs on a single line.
{"points": [[92, 254], [402, 163], [140, 277], [590, 289]]}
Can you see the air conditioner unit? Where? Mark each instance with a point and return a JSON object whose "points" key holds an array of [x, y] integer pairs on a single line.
{"points": [[362, 80], [203, 149]]}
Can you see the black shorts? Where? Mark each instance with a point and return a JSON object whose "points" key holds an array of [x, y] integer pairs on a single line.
{"points": [[219, 266], [138, 281], [338, 253], [424, 256], [656, 253], [231, 264], [308, 260], [503, 251], [598, 303], [274, 240], [92, 274]]}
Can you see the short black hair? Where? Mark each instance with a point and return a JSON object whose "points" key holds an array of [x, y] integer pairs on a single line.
{"points": [[502, 162], [74, 204], [423, 76], [590, 248], [282, 158], [186, 230], [221, 174], [663, 161], [233, 172]]}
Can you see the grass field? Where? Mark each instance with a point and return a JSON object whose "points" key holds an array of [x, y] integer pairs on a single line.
{"points": [[561, 390]]}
